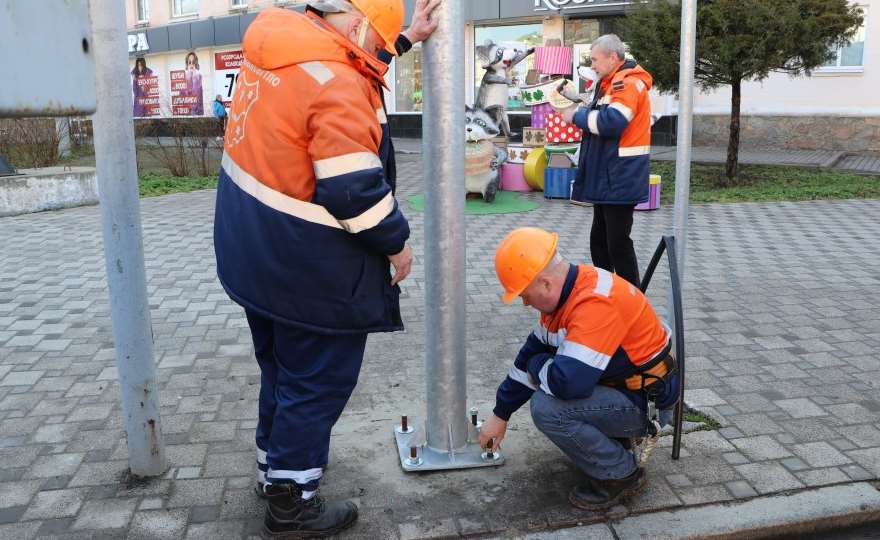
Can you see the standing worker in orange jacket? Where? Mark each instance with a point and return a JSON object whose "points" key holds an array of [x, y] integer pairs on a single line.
{"points": [[594, 366], [306, 225], [615, 154]]}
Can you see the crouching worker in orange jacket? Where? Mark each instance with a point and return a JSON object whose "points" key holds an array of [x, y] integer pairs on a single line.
{"points": [[597, 355], [305, 227]]}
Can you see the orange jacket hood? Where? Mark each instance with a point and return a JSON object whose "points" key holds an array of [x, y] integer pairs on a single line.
{"points": [[280, 37]]}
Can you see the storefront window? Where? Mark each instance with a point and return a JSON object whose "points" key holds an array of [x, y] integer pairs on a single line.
{"points": [[520, 35], [408, 81], [580, 34]]}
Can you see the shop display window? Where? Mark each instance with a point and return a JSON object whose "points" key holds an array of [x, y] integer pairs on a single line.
{"points": [[529, 35]]}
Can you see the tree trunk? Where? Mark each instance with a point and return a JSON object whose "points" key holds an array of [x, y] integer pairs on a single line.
{"points": [[733, 142]]}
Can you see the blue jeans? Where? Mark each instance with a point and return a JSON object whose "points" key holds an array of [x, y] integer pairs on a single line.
{"points": [[584, 430]]}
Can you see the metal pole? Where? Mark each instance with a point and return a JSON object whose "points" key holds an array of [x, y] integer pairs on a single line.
{"points": [[123, 245], [686, 64], [685, 131], [443, 171]]}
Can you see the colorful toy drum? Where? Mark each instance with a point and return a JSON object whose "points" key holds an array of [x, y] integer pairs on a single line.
{"points": [[557, 182], [653, 202], [534, 168], [539, 120], [553, 60], [513, 177]]}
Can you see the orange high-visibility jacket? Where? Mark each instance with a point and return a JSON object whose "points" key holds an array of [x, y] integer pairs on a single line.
{"points": [[616, 148], [305, 218], [603, 328]]}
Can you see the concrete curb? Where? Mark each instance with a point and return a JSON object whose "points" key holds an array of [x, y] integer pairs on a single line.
{"points": [[790, 514]]}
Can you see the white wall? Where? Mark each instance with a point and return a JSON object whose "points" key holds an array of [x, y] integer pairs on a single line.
{"points": [[844, 94]]}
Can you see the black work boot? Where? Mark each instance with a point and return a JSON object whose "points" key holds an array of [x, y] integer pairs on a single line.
{"points": [[289, 516], [598, 495]]}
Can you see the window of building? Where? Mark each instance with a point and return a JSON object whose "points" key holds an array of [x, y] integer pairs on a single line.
{"points": [[239, 3], [408, 81], [520, 35], [850, 57], [181, 8], [143, 10]]}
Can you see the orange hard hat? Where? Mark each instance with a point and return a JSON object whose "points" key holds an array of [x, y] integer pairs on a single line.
{"points": [[386, 18], [521, 256]]}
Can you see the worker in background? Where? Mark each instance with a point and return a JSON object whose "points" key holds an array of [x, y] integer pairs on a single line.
{"points": [[596, 363], [615, 154], [306, 230]]}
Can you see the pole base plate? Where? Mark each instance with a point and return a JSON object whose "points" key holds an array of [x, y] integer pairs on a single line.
{"points": [[469, 456]]}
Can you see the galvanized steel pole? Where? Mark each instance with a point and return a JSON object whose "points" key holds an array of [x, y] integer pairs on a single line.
{"points": [[123, 245], [685, 129], [443, 173], [687, 61]]}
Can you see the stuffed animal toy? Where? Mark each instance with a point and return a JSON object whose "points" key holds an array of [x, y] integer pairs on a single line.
{"points": [[482, 158], [498, 61]]}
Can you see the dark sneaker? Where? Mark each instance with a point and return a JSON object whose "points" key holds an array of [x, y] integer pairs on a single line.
{"points": [[598, 495], [288, 516]]}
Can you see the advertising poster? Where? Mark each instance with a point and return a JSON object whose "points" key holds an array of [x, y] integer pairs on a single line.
{"points": [[145, 90], [226, 67], [186, 88]]}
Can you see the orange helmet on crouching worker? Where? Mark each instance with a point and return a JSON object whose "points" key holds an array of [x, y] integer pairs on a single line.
{"points": [[385, 16], [521, 256]]}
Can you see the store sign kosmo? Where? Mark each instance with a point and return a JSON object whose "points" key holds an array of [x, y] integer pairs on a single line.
{"points": [[556, 5]]}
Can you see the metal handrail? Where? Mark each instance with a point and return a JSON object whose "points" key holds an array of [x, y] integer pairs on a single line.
{"points": [[667, 244]]}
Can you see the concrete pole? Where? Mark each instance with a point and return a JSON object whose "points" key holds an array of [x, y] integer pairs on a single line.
{"points": [[685, 130], [123, 245], [443, 171]]}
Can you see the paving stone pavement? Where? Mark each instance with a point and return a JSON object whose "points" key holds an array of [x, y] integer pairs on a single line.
{"points": [[782, 322]]}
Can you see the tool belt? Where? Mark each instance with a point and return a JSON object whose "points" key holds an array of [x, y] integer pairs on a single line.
{"points": [[658, 369]]}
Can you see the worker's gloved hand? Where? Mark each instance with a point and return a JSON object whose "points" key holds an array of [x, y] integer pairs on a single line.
{"points": [[534, 366], [402, 263], [492, 428]]}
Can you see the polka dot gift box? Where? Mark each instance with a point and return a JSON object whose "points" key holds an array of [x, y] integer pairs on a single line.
{"points": [[560, 132]]}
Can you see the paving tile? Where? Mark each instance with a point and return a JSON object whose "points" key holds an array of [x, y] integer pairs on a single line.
{"points": [[768, 477], [60, 503], [741, 490], [820, 454], [18, 493], [800, 408], [822, 477], [220, 530], [761, 448], [196, 493], [158, 525], [105, 514]]}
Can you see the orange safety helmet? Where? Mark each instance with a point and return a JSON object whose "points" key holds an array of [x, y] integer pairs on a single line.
{"points": [[521, 256], [386, 18]]}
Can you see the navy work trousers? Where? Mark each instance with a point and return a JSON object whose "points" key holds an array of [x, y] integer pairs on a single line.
{"points": [[306, 380]]}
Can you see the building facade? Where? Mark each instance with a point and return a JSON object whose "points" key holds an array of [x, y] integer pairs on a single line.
{"points": [[185, 52]]}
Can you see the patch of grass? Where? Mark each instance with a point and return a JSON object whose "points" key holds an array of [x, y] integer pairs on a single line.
{"points": [[152, 185], [761, 183], [693, 415]]}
